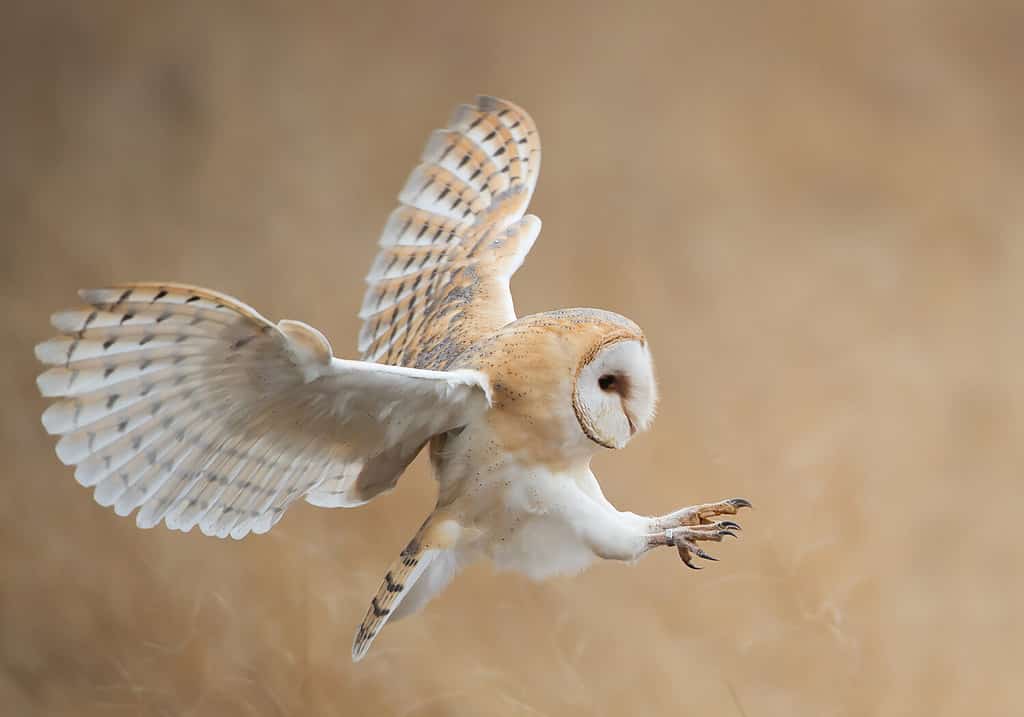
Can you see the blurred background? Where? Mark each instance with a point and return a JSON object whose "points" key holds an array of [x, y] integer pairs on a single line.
{"points": [[814, 210]]}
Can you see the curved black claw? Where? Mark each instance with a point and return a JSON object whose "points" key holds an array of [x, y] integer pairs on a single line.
{"points": [[739, 503], [684, 555], [728, 525], [701, 554]]}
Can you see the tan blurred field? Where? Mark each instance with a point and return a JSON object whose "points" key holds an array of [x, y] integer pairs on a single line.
{"points": [[814, 210]]}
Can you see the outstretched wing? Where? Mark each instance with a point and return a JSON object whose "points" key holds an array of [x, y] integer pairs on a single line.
{"points": [[448, 251], [190, 406]]}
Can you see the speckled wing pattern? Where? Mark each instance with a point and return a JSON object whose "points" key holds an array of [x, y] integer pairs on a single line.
{"points": [[441, 278], [191, 407]]}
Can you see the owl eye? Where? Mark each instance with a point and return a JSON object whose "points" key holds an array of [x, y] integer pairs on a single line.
{"points": [[607, 382]]}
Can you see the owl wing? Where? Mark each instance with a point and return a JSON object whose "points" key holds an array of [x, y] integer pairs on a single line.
{"points": [[193, 408], [441, 278]]}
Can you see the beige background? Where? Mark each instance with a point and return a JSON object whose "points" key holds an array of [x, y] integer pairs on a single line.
{"points": [[815, 212]]}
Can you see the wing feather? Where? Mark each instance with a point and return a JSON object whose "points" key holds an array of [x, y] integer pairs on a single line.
{"points": [[454, 242], [190, 407]]}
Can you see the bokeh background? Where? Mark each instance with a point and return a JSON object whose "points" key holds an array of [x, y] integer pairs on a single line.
{"points": [[813, 209]]}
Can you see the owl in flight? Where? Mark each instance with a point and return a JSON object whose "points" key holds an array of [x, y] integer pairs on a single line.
{"points": [[191, 407]]}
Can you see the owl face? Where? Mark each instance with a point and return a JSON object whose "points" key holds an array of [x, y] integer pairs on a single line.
{"points": [[567, 383], [614, 393]]}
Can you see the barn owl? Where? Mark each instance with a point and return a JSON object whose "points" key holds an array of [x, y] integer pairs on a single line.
{"points": [[193, 409]]}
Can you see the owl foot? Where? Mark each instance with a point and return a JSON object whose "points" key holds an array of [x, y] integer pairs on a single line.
{"points": [[685, 527]]}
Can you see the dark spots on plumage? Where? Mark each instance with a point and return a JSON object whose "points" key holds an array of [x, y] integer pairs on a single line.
{"points": [[112, 399], [391, 585], [181, 338], [159, 295], [146, 388], [145, 364], [241, 342], [408, 263], [122, 426], [364, 634], [490, 136], [404, 229], [151, 457], [426, 186], [108, 371], [89, 319], [128, 317], [191, 299], [448, 148], [475, 174], [475, 122], [462, 162], [136, 442], [196, 320], [444, 192], [378, 611], [124, 297], [109, 342], [423, 230], [501, 151], [155, 408], [146, 339]]}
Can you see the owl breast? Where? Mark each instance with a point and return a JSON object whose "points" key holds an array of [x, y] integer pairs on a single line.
{"points": [[514, 510]]}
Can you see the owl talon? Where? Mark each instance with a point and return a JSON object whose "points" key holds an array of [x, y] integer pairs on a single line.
{"points": [[684, 555]]}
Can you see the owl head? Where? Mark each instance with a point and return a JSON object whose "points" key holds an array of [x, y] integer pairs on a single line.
{"points": [[574, 381]]}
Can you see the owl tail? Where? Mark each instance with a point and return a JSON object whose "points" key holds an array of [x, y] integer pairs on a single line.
{"points": [[425, 549]]}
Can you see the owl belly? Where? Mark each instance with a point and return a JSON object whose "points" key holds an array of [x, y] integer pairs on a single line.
{"points": [[528, 529], [541, 547]]}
